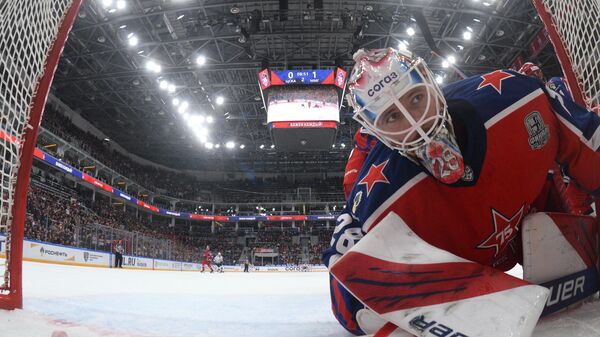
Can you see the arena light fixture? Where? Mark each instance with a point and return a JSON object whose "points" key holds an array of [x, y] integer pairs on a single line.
{"points": [[180, 17], [451, 59], [121, 4], [171, 88], [132, 40], [209, 119], [200, 60], [112, 10], [175, 101], [220, 100], [217, 146], [209, 146], [163, 84], [439, 79], [153, 66], [262, 146], [467, 35], [242, 146], [123, 26], [445, 64], [230, 145], [410, 31], [343, 145], [272, 146], [107, 3]]}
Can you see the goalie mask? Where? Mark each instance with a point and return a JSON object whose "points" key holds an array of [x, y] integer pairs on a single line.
{"points": [[395, 98]]}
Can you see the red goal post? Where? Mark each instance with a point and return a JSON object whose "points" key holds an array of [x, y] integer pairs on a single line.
{"points": [[574, 30], [32, 38]]}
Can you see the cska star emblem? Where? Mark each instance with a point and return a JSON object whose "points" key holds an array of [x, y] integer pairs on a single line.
{"points": [[505, 229], [374, 176], [494, 79]]}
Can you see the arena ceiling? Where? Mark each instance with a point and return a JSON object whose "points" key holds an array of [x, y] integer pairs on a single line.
{"points": [[106, 79]]}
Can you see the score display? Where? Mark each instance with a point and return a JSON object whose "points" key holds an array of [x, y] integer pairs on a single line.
{"points": [[302, 106], [303, 76], [268, 78]]}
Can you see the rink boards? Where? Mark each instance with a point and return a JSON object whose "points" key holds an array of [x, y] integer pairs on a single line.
{"points": [[37, 251]]}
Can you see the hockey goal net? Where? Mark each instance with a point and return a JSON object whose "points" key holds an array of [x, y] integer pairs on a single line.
{"points": [[32, 36], [574, 30]]}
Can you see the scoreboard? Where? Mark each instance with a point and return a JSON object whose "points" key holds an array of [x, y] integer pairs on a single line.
{"points": [[287, 77], [302, 106]]}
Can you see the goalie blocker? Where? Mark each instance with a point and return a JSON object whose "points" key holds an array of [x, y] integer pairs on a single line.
{"points": [[401, 285]]}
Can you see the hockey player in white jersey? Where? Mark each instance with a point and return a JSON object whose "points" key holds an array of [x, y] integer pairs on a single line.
{"points": [[218, 260]]}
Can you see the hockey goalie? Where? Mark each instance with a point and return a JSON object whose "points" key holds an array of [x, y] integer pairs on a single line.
{"points": [[453, 194]]}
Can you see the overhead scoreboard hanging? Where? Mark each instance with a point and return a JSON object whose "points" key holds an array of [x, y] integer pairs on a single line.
{"points": [[302, 107]]}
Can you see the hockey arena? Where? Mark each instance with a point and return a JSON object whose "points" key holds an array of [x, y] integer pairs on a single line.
{"points": [[301, 168]]}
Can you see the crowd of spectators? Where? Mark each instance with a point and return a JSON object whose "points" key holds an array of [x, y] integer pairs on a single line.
{"points": [[74, 220]]}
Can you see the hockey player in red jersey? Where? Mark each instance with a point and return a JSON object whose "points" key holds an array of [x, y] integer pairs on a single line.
{"points": [[207, 259], [442, 200]]}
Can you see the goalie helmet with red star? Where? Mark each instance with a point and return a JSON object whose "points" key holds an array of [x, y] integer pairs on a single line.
{"points": [[395, 97]]}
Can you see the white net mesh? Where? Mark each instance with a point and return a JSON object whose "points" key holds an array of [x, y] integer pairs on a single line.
{"points": [[577, 23], [27, 32]]}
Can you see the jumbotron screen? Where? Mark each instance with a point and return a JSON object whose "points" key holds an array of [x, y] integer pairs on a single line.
{"points": [[302, 103]]}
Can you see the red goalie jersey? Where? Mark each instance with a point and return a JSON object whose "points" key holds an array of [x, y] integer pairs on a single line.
{"points": [[511, 130]]}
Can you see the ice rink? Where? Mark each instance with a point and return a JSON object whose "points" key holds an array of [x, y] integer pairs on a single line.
{"points": [[90, 302]]}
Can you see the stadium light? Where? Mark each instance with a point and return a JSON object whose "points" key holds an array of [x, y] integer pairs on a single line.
{"points": [[201, 60], [451, 59], [132, 40], [272, 146], [445, 64], [220, 100], [217, 146], [242, 146], [163, 84], [402, 46], [209, 146], [343, 145], [410, 31], [262, 146], [153, 66], [439, 79], [209, 119], [171, 88], [175, 101], [106, 3], [230, 145], [467, 35], [121, 4]]}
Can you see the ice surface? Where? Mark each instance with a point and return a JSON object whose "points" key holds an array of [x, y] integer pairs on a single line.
{"points": [[93, 302]]}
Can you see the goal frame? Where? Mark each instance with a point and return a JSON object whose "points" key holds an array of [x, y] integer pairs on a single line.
{"points": [[14, 253], [561, 52]]}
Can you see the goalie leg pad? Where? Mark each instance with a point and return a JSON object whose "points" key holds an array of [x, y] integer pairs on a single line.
{"points": [[560, 253]]}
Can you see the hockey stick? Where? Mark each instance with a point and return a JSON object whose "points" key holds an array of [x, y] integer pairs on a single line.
{"points": [[422, 23]]}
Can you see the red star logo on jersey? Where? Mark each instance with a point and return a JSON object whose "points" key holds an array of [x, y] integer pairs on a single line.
{"points": [[374, 176], [505, 229], [494, 79]]}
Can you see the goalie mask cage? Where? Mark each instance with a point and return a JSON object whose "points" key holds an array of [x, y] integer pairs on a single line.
{"points": [[574, 30], [32, 37]]}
